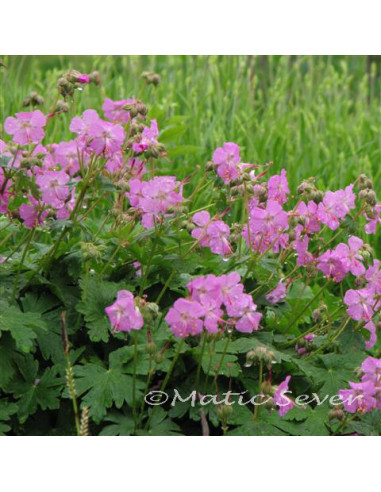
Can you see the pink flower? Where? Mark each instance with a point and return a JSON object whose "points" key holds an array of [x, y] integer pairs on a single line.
{"points": [[350, 257], [115, 110], [278, 294], [53, 185], [203, 289], [336, 205], [278, 187], [309, 214], [4, 193], [301, 247], [243, 307], [184, 318], [212, 233], [218, 233], [309, 337], [26, 127], [32, 214], [360, 304], [203, 220], [105, 138], [148, 138], [231, 288], [284, 402], [154, 197], [373, 276], [331, 264], [227, 159], [269, 220], [211, 294], [81, 125], [371, 367], [371, 226], [123, 314], [360, 398], [138, 270], [83, 78], [266, 227], [371, 327], [66, 154], [213, 314], [67, 207]]}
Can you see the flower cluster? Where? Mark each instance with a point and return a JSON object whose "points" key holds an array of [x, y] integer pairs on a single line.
{"points": [[124, 315], [336, 206], [212, 233], [266, 227], [52, 172], [153, 199], [227, 162], [366, 395], [97, 135], [343, 259], [213, 303]]}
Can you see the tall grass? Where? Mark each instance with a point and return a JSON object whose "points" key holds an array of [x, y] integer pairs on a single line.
{"points": [[314, 116]]}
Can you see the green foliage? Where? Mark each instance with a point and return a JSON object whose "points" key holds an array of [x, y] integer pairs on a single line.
{"points": [[21, 326]]}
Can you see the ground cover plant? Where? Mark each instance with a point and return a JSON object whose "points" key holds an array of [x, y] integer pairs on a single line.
{"points": [[183, 262]]}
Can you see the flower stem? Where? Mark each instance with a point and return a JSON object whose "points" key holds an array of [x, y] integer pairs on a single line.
{"points": [[260, 378]]}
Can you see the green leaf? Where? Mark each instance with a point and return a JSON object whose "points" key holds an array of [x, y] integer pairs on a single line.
{"points": [[34, 391], [7, 360], [161, 425], [122, 425], [102, 388], [96, 296], [7, 409], [336, 371], [21, 325], [368, 424]]}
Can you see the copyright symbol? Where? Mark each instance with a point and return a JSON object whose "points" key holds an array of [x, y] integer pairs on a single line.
{"points": [[156, 398]]}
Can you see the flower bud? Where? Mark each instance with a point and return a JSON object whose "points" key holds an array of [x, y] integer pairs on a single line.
{"points": [[90, 251], [95, 78], [61, 106], [260, 354], [270, 403], [150, 347], [317, 196], [336, 413], [210, 166], [159, 357], [266, 387], [33, 99], [224, 411], [149, 310], [151, 78], [371, 198], [363, 194], [65, 88]]}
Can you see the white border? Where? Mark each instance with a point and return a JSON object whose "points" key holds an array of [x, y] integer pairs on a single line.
{"points": [[189, 464], [198, 27]]}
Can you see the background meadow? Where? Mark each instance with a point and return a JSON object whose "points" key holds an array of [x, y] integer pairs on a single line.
{"points": [[312, 115]]}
